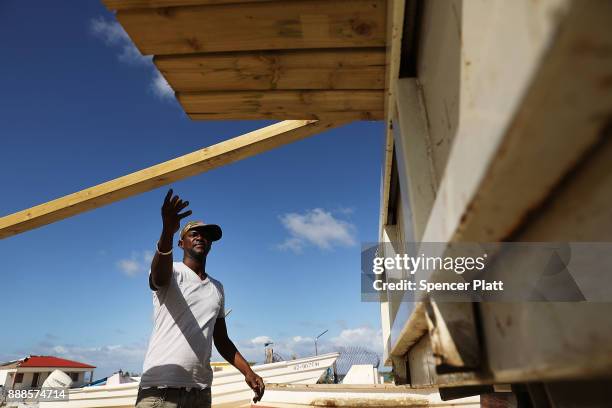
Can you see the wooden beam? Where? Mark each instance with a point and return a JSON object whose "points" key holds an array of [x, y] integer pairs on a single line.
{"points": [[560, 119], [394, 29], [130, 4], [413, 149], [514, 332], [283, 104], [549, 115], [191, 164], [328, 116], [294, 24], [288, 70]]}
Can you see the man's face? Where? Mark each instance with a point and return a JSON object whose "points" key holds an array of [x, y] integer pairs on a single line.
{"points": [[195, 244]]}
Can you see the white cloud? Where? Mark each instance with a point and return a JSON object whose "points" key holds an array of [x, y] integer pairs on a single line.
{"points": [[316, 227], [363, 336], [303, 346], [110, 31], [261, 340], [129, 357], [129, 266], [147, 256], [345, 210], [160, 87], [113, 35], [253, 349], [137, 263], [106, 358], [60, 350], [293, 244]]}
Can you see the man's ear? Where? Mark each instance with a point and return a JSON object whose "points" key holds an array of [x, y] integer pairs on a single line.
{"points": [[180, 243]]}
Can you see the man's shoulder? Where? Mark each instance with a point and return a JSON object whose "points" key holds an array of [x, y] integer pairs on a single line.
{"points": [[216, 282], [180, 268]]}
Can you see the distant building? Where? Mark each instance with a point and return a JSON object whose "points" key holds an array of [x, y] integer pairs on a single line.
{"points": [[32, 371]]}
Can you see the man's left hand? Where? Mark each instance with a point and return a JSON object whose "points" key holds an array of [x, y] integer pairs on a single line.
{"points": [[257, 385]]}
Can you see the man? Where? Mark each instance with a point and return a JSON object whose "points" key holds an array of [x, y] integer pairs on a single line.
{"points": [[189, 313]]}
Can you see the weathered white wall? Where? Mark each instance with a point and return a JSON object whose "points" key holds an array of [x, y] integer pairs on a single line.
{"points": [[4, 377]]}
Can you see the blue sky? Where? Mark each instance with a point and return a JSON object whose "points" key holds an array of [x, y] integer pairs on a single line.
{"points": [[79, 107]]}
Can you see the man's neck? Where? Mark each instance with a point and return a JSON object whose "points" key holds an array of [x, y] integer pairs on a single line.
{"points": [[198, 267]]}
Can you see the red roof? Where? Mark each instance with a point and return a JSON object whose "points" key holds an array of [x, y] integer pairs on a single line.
{"points": [[50, 361]]}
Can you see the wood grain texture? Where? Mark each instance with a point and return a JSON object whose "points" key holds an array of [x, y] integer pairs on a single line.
{"points": [[304, 69], [283, 104], [131, 4], [328, 116], [297, 24], [191, 164]]}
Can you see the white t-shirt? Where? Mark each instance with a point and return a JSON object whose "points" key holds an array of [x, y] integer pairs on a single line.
{"points": [[184, 315]]}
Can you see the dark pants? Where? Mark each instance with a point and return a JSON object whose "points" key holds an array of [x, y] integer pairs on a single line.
{"points": [[173, 398]]}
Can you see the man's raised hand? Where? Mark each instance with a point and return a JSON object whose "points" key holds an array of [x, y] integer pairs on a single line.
{"points": [[171, 212]]}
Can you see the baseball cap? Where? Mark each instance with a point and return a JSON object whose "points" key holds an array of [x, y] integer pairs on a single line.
{"points": [[212, 231]]}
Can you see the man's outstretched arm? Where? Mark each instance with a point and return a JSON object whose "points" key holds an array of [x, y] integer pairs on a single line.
{"points": [[229, 352], [161, 265]]}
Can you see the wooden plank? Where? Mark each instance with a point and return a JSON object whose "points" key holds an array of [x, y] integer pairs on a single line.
{"points": [[453, 334], [414, 328], [440, 69], [422, 364], [390, 236], [394, 11], [331, 116], [394, 30], [394, 350], [551, 341], [413, 149], [559, 120], [283, 104], [304, 69], [496, 85], [191, 164], [130, 4], [296, 24]]}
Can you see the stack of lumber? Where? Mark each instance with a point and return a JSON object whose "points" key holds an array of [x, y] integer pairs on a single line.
{"points": [[260, 59]]}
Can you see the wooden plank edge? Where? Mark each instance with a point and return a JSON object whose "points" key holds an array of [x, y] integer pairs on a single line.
{"points": [[327, 116], [376, 53], [114, 5], [395, 22], [270, 70]]}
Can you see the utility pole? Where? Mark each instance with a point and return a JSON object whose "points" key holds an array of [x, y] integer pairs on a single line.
{"points": [[316, 339], [269, 352]]}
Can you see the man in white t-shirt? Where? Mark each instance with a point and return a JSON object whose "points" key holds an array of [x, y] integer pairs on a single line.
{"points": [[189, 315]]}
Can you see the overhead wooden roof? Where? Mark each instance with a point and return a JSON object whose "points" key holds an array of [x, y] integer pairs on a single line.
{"points": [[259, 59]]}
